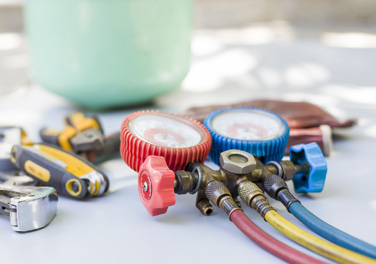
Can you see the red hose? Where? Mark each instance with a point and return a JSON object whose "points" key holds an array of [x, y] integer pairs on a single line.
{"points": [[269, 243]]}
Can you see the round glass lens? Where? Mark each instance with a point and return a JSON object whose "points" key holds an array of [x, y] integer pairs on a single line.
{"points": [[165, 130], [247, 124]]}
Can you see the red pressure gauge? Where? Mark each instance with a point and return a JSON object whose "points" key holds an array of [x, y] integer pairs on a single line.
{"points": [[156, 144], [177, 138]]}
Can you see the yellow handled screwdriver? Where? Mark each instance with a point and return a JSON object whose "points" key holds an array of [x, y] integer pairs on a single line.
{"points": [[69, 174]]}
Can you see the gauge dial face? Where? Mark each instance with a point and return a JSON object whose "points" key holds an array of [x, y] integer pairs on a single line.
{"points": [[166, 130], [247, 124]]}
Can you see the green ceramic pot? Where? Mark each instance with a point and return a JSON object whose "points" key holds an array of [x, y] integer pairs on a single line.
{"points": [[108, 53]]}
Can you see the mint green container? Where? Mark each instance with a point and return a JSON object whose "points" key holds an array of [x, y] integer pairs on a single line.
{"points": [[109, 53]]}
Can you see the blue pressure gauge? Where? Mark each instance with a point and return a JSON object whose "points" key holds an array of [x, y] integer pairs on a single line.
{"points": [[259, 132]]}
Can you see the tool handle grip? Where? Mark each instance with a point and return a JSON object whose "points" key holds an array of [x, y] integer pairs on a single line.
{"points": [[47, 171], [50, 136]]}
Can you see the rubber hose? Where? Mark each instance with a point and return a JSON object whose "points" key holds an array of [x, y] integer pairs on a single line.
{"points": [[318, 245], [330, 232], [269, 243]]}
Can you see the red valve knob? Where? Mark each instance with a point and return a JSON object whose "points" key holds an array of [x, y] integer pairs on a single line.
{"points": [[156, 185], [177, 138]]}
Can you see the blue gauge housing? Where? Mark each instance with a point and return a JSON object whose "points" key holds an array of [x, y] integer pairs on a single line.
{"points": [[272, 149]]}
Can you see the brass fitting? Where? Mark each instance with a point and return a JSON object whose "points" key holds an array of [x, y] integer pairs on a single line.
{"points": [[289, 170], [195, 181], [215, 191], [205, 207], [237, 161], [240, 174], [252, 195], [285, 169], [273, 184], [228, 205], [203, 204], [220, 196], [220, 188], [237, 202], [185, 182], [276, 188]]}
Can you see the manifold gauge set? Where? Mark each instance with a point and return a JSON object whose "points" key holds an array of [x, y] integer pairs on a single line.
{"points": [[169, 150]]}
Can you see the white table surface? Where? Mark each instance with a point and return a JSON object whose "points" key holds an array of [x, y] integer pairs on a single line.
{"points": [[116, 228]]}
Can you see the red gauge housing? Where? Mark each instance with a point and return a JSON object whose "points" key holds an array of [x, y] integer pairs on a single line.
{"points": [[177, 138]]}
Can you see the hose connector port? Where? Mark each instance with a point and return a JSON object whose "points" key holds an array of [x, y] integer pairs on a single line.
{"points": [[219, 195], [273, 184], [276, 188], [185, 182], [205, 207], [253, 196]]}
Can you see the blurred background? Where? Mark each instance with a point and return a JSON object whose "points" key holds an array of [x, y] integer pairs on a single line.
{"points": [[302, 45]]}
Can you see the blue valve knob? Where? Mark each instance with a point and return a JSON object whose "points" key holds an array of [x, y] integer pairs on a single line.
{"points": [[260, 132], [313, 179]]}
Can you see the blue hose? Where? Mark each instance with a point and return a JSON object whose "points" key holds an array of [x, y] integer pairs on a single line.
{"points": [[331, 233]]}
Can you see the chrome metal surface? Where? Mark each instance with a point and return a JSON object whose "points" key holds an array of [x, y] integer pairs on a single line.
{"points": [[94, 177], [90, 139], [28, 207]]}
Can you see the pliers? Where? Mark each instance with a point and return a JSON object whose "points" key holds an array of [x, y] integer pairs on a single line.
{"points": [[82, 133]]}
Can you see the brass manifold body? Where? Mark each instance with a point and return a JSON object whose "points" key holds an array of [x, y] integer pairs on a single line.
{"points": [[240, 175]]}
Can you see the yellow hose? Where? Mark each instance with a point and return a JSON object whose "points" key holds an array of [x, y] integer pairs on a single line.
{"points": [[318, 245]]}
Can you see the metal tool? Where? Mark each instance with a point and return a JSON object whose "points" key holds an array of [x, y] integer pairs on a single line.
{"points": [[69, 174], [262, 133], [82, 133], [179, 139], [29, 207], [109, 150]]}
